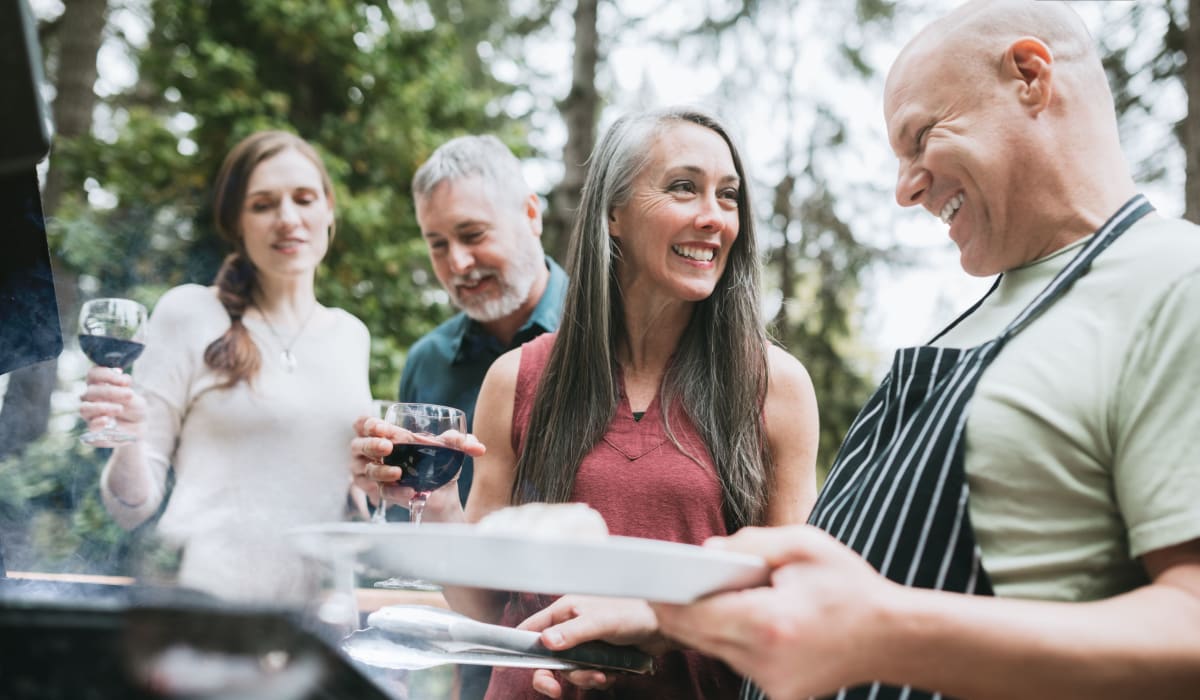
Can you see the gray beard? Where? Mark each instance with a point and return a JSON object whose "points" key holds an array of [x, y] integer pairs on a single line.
{"points": [[512, 294]]}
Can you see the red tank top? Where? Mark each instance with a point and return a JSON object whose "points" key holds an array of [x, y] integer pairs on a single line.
{"points": [[644, 486]]}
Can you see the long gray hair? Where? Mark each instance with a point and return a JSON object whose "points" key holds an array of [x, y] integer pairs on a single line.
{"points": [[719, 373]]}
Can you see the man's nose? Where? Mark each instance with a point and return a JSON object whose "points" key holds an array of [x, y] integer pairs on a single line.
{"points": [[461, 259], [912, 182]]}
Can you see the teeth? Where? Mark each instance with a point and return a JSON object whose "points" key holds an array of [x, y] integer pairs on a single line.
{"points": [[472, 280], [694, 252], [951, 208]]}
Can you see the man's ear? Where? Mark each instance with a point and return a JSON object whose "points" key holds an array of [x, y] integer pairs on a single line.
{"points": [[533, 210], [1030, 61]]}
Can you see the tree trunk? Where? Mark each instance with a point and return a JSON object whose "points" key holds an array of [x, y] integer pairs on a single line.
{"points": [[579, 110], [782, 212], [1191, 125], [26, 410], [80, 36]]}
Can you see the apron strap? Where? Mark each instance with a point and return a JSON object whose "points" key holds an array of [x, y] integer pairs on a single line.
{"points": [[1129, 214], [968, 312], [1110, 231]]}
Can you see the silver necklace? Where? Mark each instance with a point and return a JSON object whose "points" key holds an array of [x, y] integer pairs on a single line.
{"points": [[287, 356]]}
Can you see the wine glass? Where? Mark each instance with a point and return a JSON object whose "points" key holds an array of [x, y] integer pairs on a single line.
{"points": [[112, 333], [427, 461]]}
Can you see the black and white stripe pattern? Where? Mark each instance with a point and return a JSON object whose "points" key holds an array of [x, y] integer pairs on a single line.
{"points": [[897, 493]]}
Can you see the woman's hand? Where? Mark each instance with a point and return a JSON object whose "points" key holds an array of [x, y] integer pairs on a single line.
{"points": [[109, 396], [572, 620], [375, 440]]}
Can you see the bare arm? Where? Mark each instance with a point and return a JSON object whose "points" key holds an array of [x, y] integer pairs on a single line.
{"points": [[826, 603], [792, 435], [130, 489], [494, 474], [1145, 643]]}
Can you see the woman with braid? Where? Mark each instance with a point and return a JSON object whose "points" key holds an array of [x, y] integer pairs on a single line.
{"points": [[246, 388], [659, 402]]}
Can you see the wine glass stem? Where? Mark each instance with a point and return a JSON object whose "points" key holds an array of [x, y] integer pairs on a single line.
{"points": [[380, 514], [416, 507]]}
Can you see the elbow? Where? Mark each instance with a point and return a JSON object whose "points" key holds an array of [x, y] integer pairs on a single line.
{"points": [[128, 516]]}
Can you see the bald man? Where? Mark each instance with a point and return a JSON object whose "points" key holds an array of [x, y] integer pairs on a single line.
{"points": [[1016, 512]]}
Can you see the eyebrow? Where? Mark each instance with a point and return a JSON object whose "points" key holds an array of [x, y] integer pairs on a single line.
{"points": [[697, 170], [271, 192], [458, 228], [905, 135]]}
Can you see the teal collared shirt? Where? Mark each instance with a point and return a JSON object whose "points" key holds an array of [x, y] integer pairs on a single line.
{"points": [[447, 365]]}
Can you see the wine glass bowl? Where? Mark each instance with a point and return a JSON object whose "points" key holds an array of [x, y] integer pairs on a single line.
{"points": [[427, 461], [112, 333]]}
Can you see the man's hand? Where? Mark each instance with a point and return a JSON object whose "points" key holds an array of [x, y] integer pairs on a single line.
{"points": [[806, 634]]}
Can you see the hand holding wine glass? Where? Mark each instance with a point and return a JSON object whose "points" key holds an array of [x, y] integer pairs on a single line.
{"points": [[112, 333], [375, 442], [428, 456]]}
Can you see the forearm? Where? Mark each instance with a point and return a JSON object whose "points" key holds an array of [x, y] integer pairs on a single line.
{"points": [[1142, 644], [128, 486], [479, 603]]}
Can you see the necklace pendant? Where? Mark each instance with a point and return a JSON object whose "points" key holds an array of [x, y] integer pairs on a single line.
{"points": [[289, 361]]}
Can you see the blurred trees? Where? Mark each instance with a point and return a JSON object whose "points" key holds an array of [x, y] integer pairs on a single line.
{"points": [[796, 65], [1152, 58], [376, 85]]}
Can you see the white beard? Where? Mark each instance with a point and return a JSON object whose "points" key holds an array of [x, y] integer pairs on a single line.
{"points": [[514, 287]]}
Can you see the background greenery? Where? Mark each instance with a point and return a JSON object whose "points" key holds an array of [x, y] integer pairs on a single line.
{"points": [[376, 85]]}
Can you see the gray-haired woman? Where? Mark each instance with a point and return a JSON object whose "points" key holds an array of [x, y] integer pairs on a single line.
{"points": [[660, 402]]}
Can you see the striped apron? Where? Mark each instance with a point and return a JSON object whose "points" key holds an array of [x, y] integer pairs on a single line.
{"points": [[897, 492]]}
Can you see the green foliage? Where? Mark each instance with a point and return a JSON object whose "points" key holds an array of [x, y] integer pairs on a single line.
{"points": [[374, 95], [50, 509]]}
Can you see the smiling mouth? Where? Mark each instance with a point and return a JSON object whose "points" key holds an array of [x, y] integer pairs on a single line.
{"points": [[694, 252], [471, 286], [951, 208]]}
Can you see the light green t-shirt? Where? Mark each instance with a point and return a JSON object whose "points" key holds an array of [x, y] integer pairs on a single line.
{"points": [[1083, 437]]}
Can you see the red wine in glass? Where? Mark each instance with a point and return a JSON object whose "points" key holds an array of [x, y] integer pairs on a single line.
{"points": [[110, 352], [426, 467]]}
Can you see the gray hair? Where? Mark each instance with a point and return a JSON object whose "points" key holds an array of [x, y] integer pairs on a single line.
{"points": [[719, 375], [483, 156]]}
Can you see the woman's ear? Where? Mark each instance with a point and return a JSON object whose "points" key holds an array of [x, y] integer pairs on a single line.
{"points": [[1030, 61]]}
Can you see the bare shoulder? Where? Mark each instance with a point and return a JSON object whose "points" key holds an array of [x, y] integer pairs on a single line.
{"points": [[502, 375], [791, 403], [494, 409], [496, 470], [786, 373], [793, 434]]}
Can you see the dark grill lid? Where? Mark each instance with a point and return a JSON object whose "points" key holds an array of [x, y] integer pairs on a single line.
{"points": [[86, 641]]}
